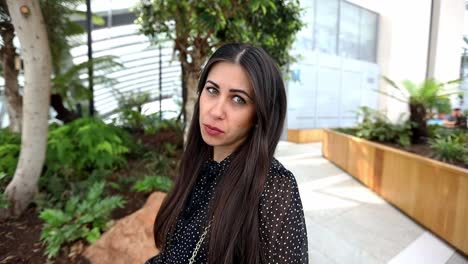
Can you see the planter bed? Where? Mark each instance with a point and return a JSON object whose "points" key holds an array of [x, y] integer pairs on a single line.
{"points": [[431, 192]]}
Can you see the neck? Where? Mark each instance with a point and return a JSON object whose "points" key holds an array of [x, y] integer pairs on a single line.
{"points": [[219, 154]]}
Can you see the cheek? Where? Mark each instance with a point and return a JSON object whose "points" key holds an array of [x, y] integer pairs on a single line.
{"points": [[201, 105], [246, 120]]}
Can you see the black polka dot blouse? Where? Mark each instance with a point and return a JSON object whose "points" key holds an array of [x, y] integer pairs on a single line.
{"points": [[282, 225]]}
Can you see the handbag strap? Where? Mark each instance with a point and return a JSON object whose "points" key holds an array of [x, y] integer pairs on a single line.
{"points": [[199, 243]]}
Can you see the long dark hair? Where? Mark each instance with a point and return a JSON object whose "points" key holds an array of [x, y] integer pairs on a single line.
{"points": [[234, 235]]}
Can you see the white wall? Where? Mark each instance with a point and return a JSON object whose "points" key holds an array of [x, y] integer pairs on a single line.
{"points": [[448, 39], [404, 42]]}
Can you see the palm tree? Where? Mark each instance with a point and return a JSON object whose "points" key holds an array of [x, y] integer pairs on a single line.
{"points": [[421, 98]]}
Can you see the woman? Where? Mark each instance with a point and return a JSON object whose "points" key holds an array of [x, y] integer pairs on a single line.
{"points": [[233, 202]]}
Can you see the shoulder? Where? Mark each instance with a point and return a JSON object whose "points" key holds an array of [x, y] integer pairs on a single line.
{"points": [[278, 172], [279, 180]]}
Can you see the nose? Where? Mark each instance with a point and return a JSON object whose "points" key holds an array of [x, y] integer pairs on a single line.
{"points": [[218, 109]]}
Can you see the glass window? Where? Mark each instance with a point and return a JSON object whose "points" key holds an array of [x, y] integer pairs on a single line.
{"points": [[368, 36], [326, 26], [305, 37], [349, 31]]}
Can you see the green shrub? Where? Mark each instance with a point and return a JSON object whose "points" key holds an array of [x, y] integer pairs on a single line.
{"points": [[153, 183], [158, 163], [9, 155], [131, 114], [76, 149], [347, 130], [10, 144], [56, 189], [153, 124], [8, 137], [443, 132], [3, 199], [449, 149], [376, 126], [82, 217]]}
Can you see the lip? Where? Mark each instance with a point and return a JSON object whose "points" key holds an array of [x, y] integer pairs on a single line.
{"points": [[211, 130]]}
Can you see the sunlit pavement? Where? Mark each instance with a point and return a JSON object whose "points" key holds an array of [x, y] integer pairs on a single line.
{"points": [[348, 223]]}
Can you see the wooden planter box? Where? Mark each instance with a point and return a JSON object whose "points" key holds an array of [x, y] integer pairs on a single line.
{"points": [[431, 192], [305, 135]]}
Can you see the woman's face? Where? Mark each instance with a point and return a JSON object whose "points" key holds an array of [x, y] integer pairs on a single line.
{"points": [[227, 108]]}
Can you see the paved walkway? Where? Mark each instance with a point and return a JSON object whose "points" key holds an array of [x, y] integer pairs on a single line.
{"points": [[348, 223]]}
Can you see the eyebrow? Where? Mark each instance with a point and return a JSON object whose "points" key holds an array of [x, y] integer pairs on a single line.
{"points": [[231, 90]]}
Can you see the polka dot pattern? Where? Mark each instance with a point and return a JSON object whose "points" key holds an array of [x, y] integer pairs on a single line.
{"points": [[282, 226]]}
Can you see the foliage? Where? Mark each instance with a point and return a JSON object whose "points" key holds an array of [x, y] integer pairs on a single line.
{"points": [[68, 84], [347, 130], [153, 124], [199, 26], [442, 105], [3, 198], [132, 117], [429, 93], [443, 132], [63, 32], [9, 154], [153, 183], [79, 153], [55, 189], [82, 217], [450, 148], [158, 163], [376, 126], [85, 145], [131, 114], [4, 203], [59, 24]]}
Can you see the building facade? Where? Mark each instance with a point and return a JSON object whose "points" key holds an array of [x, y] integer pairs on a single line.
{"points": [[348, 45]]}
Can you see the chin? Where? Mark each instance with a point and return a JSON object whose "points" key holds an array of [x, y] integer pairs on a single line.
{"points": [[210, 141]]}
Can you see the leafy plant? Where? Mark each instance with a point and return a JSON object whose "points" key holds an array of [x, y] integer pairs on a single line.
{"points": [[86, 144], [443, 132], [153, 183], [80, 153], [9, 154], [153, 124], [3, 198], [347, 130], [197, 28], [449, 149], [131, 114], [4, 203], [82, 217], [427, 95], [158, 163], [63, 34], [376, 126]]}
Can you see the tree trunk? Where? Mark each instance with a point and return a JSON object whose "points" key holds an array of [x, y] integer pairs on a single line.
{"points": [[13, 98], [31, 30], [191, 81], [418, 118], [63, 114], [191, 77]]}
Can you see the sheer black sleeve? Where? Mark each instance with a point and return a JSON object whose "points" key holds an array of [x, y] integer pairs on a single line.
{"points": [[282, 224]]}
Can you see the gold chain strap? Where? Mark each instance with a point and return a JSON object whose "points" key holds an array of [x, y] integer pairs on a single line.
{"points": [[198, 245]]}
